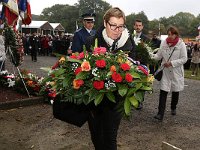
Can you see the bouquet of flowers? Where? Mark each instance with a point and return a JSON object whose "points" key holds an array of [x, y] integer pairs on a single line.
{"points": [[143, 50], [88, 77], [32, 81]]}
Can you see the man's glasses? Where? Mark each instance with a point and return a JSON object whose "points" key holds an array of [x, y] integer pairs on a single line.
{"points": [[115, 27]]}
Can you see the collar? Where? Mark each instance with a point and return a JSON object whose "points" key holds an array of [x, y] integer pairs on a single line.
{"points": [[121, 42]]}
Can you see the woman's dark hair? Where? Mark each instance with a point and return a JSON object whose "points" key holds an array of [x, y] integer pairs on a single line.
{"points": [[173, 30], [195, 47]]}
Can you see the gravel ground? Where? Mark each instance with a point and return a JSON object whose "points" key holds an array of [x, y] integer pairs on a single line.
{"points": [[35, 128]]}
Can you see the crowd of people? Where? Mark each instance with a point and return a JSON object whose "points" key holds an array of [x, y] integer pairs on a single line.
{"points": [[45, 45]]}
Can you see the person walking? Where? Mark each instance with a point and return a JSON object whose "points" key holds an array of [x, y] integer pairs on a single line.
{"points": [[34, 45], [174, 55], [104, 119], [81, 35], [195, 59]]}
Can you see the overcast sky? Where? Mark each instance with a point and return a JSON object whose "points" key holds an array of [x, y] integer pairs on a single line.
{"points": [[154, 9]]}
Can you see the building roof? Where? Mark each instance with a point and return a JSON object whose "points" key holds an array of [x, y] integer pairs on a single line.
{"points": [[57, 26], [35, 24]]}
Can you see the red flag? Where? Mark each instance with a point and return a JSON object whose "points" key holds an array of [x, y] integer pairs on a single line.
{"points": [[25, 11], [11, 11]]}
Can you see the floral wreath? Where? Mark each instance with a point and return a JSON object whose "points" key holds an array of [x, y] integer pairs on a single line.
{"points": [[13, 42], [89, 77]]}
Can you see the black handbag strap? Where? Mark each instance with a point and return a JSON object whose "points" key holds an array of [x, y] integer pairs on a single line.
{"points": [[169, 57], [171, 54]]}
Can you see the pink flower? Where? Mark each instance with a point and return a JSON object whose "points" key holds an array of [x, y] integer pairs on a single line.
{"points": [[99, 50], [81, 55], [145, 71]]}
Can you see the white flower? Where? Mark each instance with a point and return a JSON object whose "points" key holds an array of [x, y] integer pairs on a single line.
{"points": [[137, 40], [3, 72], [10, 83]]}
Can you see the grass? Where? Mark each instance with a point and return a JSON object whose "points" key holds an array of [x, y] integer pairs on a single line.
{"points": [[188, 75]]}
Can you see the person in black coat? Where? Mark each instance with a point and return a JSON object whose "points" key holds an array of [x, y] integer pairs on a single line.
{"points": [[34, 46], [104, 119], [81, 35]]}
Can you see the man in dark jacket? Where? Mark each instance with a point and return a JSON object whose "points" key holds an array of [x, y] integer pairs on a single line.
{"points": [[34, 45], [82, 34]]}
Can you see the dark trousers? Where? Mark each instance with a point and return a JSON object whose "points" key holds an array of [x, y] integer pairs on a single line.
{"points": [[103, 125], [34, 54], [163, 99]]}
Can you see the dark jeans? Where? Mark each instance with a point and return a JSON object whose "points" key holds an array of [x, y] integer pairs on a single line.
{"points": [[103, 124], [162, 101]]}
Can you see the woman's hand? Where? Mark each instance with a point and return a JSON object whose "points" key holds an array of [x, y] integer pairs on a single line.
{"points": [[168, 64]]}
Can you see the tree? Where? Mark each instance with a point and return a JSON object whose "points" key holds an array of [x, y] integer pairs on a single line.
{"points": [[98, 7], [64, 14]]}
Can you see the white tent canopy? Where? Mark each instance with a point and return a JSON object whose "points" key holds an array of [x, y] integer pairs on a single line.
{"points": [[35, 24]]}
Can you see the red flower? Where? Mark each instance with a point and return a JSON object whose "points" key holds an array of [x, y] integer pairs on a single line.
{"points": [[125, 67], [98, 85], [81, 55], [52, 94], [73, 56], [78, 70], [117, 77], [128, 77], [77, 83], [101, 63], [99, 50], [143, 70], [55, 66]]}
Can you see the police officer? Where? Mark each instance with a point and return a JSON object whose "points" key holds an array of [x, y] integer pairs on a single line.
{"points": [[83, 33]]}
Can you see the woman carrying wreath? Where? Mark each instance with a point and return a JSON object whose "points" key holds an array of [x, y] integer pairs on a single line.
{"points": [[105, 118]]}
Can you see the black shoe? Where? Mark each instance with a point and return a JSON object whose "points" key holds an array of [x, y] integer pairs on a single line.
{"points": [[140, 106], [159, 117], [173, 112]]}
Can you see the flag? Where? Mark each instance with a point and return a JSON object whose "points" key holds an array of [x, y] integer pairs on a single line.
{"points": [[25, 11], [10, 11]]}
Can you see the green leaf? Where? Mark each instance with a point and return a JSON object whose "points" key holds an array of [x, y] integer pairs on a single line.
{"points": [[138, 86], [139, 95], [111, 97], [135, 75], [66, 81], [127, 107], [74, 60], [98, 98], [92, 94], [133, 101], [59, 72], [146, 88], [122, 89], [82, 75]]}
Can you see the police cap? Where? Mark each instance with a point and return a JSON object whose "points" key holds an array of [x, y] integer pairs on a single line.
{"points": [[88, 16]]}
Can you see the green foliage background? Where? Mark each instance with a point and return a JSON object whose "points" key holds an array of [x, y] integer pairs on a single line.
{"points": [[68, 15]]}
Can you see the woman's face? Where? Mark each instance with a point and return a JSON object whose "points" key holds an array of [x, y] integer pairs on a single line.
{"points": [[114, 27], [171, 36]]}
